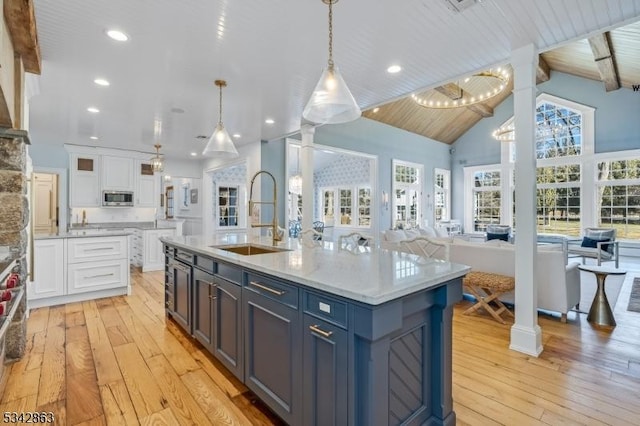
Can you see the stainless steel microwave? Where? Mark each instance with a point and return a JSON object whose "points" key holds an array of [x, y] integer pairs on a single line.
{"points": [[117, 198]]}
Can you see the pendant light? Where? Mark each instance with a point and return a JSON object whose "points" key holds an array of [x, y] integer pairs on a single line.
{"points": [[295, 181], [331, 102], [157, 162], [220, 144]]}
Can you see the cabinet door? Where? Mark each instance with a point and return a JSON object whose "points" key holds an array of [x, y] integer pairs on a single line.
{"points": [[273, 360], [227, 326], [117, 173], [147, 185], [84, 183], [182, 295], [153, 253], [203, 296], [325, 363], [49, 265]]}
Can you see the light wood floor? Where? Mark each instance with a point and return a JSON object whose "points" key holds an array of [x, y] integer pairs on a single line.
{"points": [[117, 361]]}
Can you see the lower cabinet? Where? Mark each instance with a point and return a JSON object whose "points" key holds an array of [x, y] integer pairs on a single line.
{"points": [[272, 339], [49, 269], [203, 302], [325, 373], [180, 306], [227, 325]]}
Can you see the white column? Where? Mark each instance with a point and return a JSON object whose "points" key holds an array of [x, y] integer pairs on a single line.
{"points": [[306, 168], [526, 335]]}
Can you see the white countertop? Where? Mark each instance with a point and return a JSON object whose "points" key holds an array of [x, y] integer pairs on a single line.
{"points": [[89, 233], [372, 276]]}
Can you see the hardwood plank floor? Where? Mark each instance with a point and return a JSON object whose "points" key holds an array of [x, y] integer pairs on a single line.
{"points": [[119, 361]]}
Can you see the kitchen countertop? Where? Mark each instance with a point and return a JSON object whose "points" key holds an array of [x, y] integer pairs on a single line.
{"points": [[111, 229], [371, 275]]}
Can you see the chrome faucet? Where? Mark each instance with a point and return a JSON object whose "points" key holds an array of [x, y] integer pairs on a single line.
{"points": [[274, 223]]}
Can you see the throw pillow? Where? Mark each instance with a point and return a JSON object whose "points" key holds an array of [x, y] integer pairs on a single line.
{"points": [[395, 236], [503, 237], [593, 243], [428, 232], [412, 233]]}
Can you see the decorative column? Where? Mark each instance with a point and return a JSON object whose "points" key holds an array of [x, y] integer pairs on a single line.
{"points": [[306, 157], [14, 218], [526, 335]]}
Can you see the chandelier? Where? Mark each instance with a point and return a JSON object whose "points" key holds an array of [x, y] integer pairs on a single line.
{"points": [[507, 132], [295, 181], [157, 162], [469, 91]]}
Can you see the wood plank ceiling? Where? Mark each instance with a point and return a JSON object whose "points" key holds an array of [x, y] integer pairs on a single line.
{"points": [[612, 57]]}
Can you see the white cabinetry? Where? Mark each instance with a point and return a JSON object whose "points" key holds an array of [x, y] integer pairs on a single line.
{"points": [[147, 185], [117, 173], [153, 253], [85, 180], [75, 269], [49, 269]]}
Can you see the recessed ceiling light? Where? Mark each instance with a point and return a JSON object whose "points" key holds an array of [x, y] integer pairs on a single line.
{"points": [[376, 109], [93, 109], [193, 154], [101, 82], [269, 121], [394, 69], [95, 138], [236, 135], [117, 35]]}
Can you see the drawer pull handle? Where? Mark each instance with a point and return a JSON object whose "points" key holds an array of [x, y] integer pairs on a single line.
{"points": [[320, 331], [265, 288], [100, 275], [99, 248]]}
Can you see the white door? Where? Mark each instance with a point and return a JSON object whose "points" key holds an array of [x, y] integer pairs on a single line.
{"points": [[45, 203]]}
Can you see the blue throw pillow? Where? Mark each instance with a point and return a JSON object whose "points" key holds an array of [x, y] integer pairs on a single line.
{"points": [[593, 243], [503, 237]]}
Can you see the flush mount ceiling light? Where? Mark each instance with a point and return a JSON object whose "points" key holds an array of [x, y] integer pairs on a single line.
{"points": [[101, 82], [93, 110], [394, 69], [220, 144], [157, 162], [331, 101], [117, 35], [472, 90]]}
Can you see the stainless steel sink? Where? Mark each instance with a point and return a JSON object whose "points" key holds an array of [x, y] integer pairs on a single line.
{"points": [[250, 249]]}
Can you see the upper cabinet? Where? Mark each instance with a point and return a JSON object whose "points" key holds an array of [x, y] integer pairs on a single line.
{"points": [[117, 174], [85, 180], [147, 185]]}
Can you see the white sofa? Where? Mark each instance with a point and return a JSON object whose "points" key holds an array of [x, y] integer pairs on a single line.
{"points": [[391, 238], [558, 283]]}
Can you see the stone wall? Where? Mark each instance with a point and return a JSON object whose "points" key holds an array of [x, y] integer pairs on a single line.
{"points": [[14, 218]]}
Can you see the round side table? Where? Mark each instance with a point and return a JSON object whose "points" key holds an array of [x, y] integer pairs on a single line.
{"points": [[600, 312]]}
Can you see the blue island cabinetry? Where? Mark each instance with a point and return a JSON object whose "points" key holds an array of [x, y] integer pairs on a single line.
{"points": [[317, 358]]}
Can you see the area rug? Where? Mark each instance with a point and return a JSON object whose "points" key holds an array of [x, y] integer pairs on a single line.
{"points": [[634, 299], [588, 287]]}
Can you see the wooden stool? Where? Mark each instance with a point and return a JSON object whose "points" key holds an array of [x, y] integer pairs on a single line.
{"points": [[486, 287]]}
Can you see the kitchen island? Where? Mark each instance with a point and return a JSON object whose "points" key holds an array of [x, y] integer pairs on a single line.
{"points": [[322, 335]]}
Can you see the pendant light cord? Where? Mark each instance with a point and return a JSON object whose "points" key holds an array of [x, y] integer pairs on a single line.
{"points": [[330, 34], [220, 119]]}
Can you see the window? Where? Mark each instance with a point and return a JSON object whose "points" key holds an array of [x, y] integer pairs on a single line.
{"points": [[618, 196], [486, 199], [407, 190], [564, 145], [442, 195], [353, 206]]}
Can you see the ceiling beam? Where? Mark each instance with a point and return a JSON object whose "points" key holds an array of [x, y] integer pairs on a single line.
{"points": [[602, 54], [543, 73], [455, 92], [21, 21]]}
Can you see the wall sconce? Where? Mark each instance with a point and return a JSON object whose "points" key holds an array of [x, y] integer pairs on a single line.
{"points": [[385, 200]]}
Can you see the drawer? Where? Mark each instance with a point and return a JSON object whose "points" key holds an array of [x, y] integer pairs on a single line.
{"points": [[325, 307], [229, 272], [169, 251], [273, 289], [185, 256], [93, 276], [204, 263], [102, 248]]}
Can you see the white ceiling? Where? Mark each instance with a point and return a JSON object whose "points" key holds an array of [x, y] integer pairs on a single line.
{"points": [[271, 53]]}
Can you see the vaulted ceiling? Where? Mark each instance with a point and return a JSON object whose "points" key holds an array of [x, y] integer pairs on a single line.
{"points": [[612, 57], [272, 53]]}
